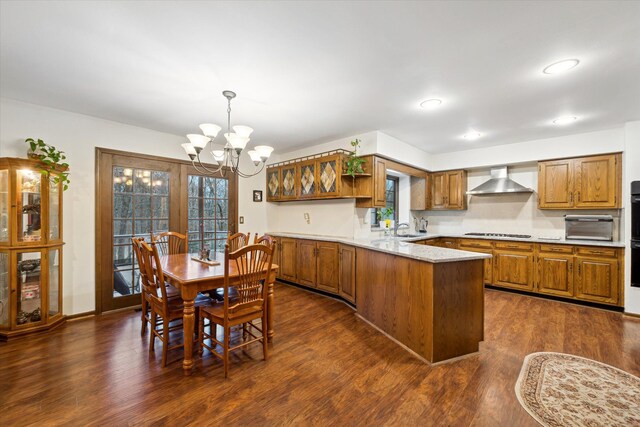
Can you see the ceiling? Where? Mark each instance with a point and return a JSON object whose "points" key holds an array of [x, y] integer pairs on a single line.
{"points": [[308, 72]]}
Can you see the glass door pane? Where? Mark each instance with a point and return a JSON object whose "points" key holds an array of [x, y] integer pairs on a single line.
{"points": [[4, 290], [4, 206], [28, 209], [140, 207], [54, 211], [29, 287], [54, 282], [208, 212]]}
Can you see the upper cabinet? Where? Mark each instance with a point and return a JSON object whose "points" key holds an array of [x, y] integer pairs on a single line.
{"points": [[315, 177], [449, 190], [593, 182]]}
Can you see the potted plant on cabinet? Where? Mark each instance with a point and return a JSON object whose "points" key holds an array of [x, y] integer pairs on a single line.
{"points": [[53, 161]]}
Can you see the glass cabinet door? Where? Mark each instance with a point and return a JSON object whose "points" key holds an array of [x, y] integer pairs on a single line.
{"points": [[28, 287], [53, 263], [4, 206], [4, 290], [54, 210], [28, 206]]}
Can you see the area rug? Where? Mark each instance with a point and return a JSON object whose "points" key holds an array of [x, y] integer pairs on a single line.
{"points": [[564, 390]]}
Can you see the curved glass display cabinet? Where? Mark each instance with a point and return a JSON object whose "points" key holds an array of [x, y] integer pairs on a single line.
{"points": [[30, 249]]}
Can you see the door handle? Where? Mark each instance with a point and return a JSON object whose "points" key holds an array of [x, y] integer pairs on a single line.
{"points": [[578, 196]]}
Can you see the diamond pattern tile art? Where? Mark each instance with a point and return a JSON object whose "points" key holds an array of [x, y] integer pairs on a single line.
{"points": [[328, 176], [307, 180], [288, 186], [274, 184]]}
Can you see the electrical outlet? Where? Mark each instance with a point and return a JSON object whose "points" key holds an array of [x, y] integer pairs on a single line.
{"points": [[241, 220], [307, 217]]}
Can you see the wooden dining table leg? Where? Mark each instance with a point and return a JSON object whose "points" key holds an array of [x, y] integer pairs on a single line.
{"points": [[188, 319]]}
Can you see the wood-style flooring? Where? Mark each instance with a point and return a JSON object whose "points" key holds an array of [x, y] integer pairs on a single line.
{"points": [[326, 367]]}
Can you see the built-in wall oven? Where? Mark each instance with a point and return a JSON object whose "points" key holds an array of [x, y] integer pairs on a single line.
{"points": [[635, 234]]}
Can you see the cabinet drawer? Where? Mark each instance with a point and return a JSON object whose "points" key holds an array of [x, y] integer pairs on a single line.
{"points": [[596, 251], [449, 243], [468, 243], [515, 245], [556, 249]]}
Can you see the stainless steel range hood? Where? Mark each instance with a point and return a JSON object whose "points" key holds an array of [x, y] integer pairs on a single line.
{"points": [[500, 183]]}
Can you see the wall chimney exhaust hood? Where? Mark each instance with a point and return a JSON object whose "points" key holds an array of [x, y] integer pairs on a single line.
{"points": [[500, 183]]}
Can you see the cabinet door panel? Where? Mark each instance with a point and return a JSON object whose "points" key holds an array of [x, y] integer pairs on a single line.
{"points": [[456, 190], [329, 180], [288, 259], [380, 183], [274, 184], [348, 273], [596, 182], [328, 267], [513, 270], [555, 184], [306, 263], [555, 275], [288, 177], [597, 280], [306, 179], [438, 190]]}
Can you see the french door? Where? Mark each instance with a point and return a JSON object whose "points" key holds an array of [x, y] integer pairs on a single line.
{"points": [[138, 195]]}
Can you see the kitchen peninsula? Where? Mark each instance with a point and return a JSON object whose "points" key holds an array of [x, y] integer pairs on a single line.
{"points": [[428, 299]]}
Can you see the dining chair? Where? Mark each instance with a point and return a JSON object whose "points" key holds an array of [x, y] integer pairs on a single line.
{"points": [[251, 266], [238, 240], [146, 287], [170, 242], [264, 240], [163, 308]]}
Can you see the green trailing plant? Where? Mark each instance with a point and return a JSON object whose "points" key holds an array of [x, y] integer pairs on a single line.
{"points": [[55, 168], [354, 163], [385, 213]]}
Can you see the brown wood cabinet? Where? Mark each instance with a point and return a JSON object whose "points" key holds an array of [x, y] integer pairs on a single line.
{"points": [[597, 279], [448, 190], [481, 246], [288, 259], [554, 274], [347, 266], [513, 269], [593, 182], [306, 263], [328, 266]]}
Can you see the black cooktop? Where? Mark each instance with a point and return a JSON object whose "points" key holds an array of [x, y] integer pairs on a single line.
{"points": [[515, 236]]}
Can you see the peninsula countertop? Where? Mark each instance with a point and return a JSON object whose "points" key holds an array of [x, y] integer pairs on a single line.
{"points": [[396, 246]]}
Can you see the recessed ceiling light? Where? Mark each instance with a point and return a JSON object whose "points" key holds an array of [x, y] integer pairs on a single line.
{"points": [[430, 104], [471, 136], [561, 66], [565, 120]]}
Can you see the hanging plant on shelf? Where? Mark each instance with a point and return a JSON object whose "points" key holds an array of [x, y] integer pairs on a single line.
{"points": [[55, 168], [353, 165]]}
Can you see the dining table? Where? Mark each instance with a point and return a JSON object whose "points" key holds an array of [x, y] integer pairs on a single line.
{"points": [[191, 276]]}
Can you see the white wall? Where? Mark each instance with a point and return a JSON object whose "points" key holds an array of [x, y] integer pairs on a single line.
{"points": [[78, 135], [631, 173]]}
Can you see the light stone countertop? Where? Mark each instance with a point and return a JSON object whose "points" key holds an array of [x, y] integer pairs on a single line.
{"points": [[561, 241], [397, 246]]}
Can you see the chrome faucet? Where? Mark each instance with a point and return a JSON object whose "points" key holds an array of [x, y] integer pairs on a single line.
{"points": [[401, 224]]}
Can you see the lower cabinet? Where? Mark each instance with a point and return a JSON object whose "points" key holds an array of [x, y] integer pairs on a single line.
{"points": [[484, 247], [327, 266], [513, 269], [287, 250], [348, 273], [597, 279], [554, 275]]}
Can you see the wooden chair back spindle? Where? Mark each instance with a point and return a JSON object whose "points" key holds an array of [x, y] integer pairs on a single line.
{"points": [[170, 242], [237, 241], [153, 270], [253, 266], [264, 240]]}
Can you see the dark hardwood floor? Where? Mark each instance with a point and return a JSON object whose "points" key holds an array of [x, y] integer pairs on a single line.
{"points": [[326, 367]]}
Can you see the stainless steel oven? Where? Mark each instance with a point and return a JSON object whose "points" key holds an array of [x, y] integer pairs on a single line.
{"points": [[635, 234]]}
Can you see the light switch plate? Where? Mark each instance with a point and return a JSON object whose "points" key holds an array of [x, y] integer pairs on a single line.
{"points": [[307, 217], [241, 220]]}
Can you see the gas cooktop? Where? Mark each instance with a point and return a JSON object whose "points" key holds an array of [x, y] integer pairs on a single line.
{"points": [[515, 236]]}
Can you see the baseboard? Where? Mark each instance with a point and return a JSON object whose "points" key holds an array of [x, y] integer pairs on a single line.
{"points": [[634, 316], [81, 315]]}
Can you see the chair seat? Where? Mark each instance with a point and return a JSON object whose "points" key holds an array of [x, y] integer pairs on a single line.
{"points": [[216, 313]]}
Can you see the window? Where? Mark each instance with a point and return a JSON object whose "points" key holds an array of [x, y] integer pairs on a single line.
{"points": [[392, 200], [208, 212]]}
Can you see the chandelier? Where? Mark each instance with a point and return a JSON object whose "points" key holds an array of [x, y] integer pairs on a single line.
{"points": [[226, 157]]}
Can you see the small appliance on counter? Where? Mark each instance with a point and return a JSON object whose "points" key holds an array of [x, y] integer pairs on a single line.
{"points": [[588, 227], [635, 234]]}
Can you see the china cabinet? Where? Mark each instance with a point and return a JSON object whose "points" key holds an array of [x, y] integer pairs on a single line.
{"points": [[30, 249]]}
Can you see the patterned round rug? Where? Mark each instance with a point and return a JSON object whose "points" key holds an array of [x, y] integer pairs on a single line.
{"points": [[564, 390]]}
